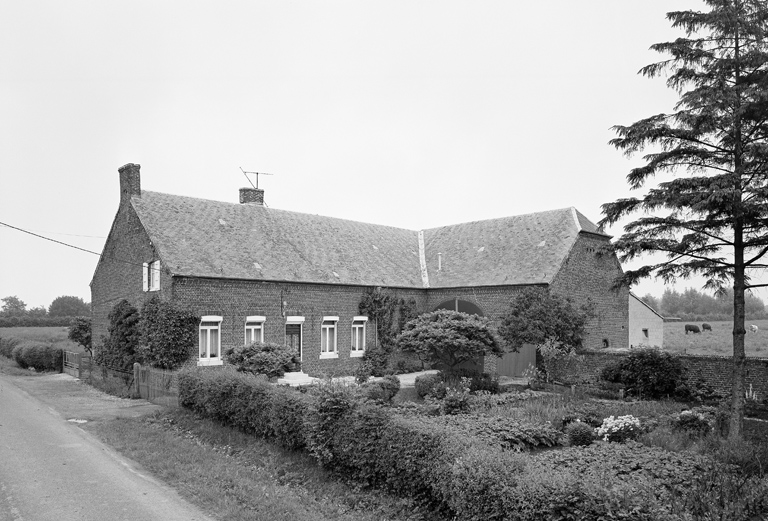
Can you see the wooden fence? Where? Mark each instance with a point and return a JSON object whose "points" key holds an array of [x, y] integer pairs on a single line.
{"points": [[156, 385], [76, 364]]}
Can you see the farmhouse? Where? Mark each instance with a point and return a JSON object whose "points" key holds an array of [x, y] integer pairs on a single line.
{"points": [[256, 273]]}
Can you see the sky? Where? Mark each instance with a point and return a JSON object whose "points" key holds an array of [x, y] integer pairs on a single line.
{"points": [[412, 114]]}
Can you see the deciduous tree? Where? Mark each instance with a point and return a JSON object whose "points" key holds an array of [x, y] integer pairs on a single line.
{"points": [[69, 306], [710, 218], [13, 307]]}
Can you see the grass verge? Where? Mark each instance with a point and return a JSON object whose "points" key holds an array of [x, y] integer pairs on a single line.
{"points": [[234, 476]]}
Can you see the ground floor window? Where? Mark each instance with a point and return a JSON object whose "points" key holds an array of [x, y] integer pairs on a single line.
{"points": [[210, 340], [254, 329], [358, 336], [328, 338]]}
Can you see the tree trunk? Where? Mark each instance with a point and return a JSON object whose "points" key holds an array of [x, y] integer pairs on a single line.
{"points": [[739, 358]]}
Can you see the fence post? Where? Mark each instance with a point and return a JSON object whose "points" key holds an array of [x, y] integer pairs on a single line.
{"points": [[136, 369]]}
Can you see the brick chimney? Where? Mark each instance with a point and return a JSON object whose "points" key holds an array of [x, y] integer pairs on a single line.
{"points": [[252, 196], [130, 182]]}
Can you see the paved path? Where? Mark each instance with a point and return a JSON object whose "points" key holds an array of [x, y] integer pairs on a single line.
{"points": [[52, 470]]}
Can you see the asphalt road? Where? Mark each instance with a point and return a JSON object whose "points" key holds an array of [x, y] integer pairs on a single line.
{"points": [[50, 469]]}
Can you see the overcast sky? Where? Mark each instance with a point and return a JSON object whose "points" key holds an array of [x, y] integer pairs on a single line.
{"points": [[413, 114]]}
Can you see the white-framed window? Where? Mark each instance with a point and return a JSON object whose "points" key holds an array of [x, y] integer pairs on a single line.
{"points": [[294, 327], [254, 329], [358, 336], [151, 276], [210, 340], [328, 338]]}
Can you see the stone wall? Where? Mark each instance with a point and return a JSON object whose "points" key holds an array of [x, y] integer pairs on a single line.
{"points": [[716, 371]]}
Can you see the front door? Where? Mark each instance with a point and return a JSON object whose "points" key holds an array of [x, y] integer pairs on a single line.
{"points": [[293, 337]]}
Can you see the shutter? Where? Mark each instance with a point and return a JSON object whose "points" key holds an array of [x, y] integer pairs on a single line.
{"points": [[156, 275], [145, 272]]}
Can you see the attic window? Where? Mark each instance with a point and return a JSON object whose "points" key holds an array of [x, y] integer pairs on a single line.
{"points": [[151, 276]]}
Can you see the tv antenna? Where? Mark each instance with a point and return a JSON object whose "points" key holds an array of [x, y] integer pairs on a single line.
{"points": [[257, 174]]}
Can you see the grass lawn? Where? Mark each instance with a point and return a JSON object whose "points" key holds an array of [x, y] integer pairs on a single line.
{"points": [[57, 336], [235, 476], [719, 341]]}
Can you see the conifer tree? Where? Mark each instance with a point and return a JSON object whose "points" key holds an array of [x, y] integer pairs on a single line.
{"points": [[711, 218]]}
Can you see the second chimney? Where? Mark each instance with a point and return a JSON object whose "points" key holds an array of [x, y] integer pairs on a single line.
{"points": [[252, 196]]}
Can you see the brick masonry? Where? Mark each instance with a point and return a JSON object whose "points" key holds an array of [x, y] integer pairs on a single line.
{"points": [[716, 371]]}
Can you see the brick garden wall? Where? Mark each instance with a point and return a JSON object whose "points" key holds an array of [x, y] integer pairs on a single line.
{"points": [[716, 371]]}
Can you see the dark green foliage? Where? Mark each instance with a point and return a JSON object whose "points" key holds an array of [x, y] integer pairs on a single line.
{"points": [[270, 359], [382, 390], [449, 338], [477, 381], [68, 306], [537, 315], [80, 332], [34, 321], [692, 423], [502, 433], [426, 383], [287, 411], [38, 356], [579, 434], [387, 313], [119, 349], [168, 334], [7, 345], [647, 373]]}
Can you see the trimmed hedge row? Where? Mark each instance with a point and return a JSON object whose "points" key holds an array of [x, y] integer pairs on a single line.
{"points": [[39, 356], [446, 467]]}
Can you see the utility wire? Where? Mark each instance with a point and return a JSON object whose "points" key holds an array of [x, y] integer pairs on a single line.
{"points": [[49, 239], [72, 246]]}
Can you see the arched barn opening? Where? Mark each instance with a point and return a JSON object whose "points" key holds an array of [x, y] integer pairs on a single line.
{"points": [[469, 308]]}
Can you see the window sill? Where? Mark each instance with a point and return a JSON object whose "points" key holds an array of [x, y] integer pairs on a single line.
{"points": [[356, 354], [328, 355], [209, 361]]}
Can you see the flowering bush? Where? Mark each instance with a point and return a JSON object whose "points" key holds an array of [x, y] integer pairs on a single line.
{"points": [[457, 398], [619, 429], [694, 423]]}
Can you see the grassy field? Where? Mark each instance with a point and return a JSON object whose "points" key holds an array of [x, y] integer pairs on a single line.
{"points": [[57, 336], [719, 341]]}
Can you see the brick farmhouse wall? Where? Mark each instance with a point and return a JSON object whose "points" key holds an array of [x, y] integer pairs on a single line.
{"points": [[716, 371], [234, 300]]}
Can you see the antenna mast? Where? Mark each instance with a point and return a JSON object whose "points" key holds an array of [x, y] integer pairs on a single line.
{"points": [[257, 174]]}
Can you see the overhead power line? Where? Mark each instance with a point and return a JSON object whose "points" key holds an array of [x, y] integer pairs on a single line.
{"points": [[49, 239]]}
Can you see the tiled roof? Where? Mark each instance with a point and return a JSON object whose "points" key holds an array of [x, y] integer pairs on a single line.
{"points": [[523, 249], [198, 237], [203, 238]]}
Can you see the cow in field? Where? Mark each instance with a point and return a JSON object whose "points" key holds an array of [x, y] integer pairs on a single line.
{"points": [[706, 327], [753, 328], [692, 328]]}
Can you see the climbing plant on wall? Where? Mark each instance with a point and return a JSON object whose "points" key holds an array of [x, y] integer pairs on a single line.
{"points": [[388, 314]]}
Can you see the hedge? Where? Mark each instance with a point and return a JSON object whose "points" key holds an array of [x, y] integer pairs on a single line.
{"points": [[35, 321], [39, 356], [448, 467]]}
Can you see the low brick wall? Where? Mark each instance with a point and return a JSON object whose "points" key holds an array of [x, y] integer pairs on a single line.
{"points": [[716, 371]]}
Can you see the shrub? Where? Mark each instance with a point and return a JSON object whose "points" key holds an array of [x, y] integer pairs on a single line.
{"points": [[287, 411], [619, 429], [266, 358], [7, 345], [501, 433], [456, 399], [118, 349], [382, 390], [477, 381], [168, 334], [692, 423], [449, 338], [579, 434], [425, 383], [37, 355], [648, 373]]}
